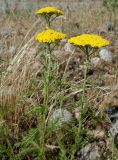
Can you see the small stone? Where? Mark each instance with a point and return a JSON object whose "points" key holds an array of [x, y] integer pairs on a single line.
{"points": [[89, 152], [106, 55], [96, 61], [110, 26], [12, 50], [60, 116], [69, 47]]}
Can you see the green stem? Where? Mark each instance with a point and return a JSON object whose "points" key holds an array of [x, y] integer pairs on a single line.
{"points": [[83, 100], [85, 80], [44, 109], [47, 75], [48, 21]]}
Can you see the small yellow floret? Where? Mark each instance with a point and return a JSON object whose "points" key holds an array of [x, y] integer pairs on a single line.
{"points": [[49, 36], [49, 10], [91, 40]]}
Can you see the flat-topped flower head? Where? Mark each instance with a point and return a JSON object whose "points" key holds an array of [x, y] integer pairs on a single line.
{"points": [[91, 40], [50, 36], [49, 10]]}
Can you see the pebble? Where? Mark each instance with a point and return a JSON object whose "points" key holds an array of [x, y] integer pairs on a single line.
{"points": [[60, 116], [96, 61], [89, 152], [110, 26], [69, 47], [106, 55], [12, 50]]}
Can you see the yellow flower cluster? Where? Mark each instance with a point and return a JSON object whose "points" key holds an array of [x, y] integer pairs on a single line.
{"points": [[49, 10], [89, 40], [49, 36]]}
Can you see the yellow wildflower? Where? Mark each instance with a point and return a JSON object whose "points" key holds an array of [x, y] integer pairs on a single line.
{"points": [[49, 10], [49, 36], [91, 40]]}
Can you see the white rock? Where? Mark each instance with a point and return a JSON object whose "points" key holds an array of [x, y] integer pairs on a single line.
{"points": [[106, 55], [95, 61], [60, 116], [89, 152], [69, 47], [12, 50]]}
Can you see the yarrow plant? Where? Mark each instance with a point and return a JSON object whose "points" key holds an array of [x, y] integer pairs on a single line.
{"points": [[89, 43], [50, 36], [48, 12]]}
